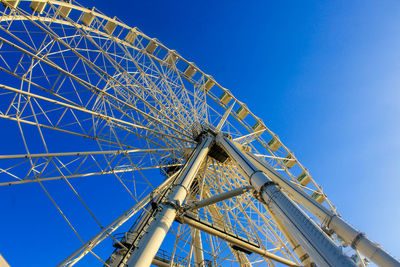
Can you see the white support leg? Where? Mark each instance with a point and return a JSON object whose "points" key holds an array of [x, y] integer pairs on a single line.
{"points": [[360, 241], [348, 233], [298, 250], [317, 244], [151, 241]]}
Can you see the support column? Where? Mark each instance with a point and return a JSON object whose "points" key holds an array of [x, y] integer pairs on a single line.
{"points": [[151, 241], [360, 241], [298, 250], [348, 233], [317, 244]]}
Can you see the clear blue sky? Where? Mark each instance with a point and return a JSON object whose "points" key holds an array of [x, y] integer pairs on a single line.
{"points": [[323, 75]]}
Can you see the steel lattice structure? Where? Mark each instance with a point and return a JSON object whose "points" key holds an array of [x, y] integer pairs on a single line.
{"points": [[143, 121]]}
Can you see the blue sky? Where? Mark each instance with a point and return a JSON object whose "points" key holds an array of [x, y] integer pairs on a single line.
{"points": [[323, 75]]}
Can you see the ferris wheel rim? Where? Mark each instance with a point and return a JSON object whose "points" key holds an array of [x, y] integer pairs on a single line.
{"points": [[120, 23]]}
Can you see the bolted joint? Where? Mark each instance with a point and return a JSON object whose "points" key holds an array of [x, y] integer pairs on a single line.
{"points": [[179, 218], [251, 180], [174, 204], [304, 257], [357, 239], [327, 231], [257, 196], [154, 205], [199, 131], [264, 186], [270, 193], [176, 188]]}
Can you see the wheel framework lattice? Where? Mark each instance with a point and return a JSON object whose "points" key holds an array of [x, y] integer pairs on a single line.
{"points": [[127, 108]]}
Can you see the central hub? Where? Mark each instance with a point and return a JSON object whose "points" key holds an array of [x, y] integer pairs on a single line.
{"points": [[218, 153]]}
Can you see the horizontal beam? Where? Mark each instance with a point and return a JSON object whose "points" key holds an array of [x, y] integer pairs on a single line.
{"points": [[233, 240], [217, 198], [160, 262]]}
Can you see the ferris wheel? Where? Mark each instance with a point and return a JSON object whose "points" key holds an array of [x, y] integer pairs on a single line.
{"points": [[149, 160]]}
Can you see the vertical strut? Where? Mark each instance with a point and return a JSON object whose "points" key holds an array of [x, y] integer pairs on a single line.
{"points": [[196, 242], [151, 241], [317, 244], [198, 248]]}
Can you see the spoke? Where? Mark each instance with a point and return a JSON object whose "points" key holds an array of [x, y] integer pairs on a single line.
{"points": [[82, 175], [113, 120], [87, 85], [83, 153]]}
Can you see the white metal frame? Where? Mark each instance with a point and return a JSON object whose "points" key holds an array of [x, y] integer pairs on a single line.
{"points": [[135, 105]]}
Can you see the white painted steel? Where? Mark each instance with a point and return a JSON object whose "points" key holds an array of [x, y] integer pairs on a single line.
{"points": [[217, 198], [224, 118], [107, 231], [148, 246], [360, 241], [3, 262], [300, 252], [159, 263], [197, 248], [348, 233], [197, 245], [235, 241], [166, 115], [83, 153], [317, 244]]}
